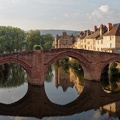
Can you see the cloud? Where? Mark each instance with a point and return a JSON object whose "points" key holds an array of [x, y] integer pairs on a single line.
{"points": [[104, 14], [104, 8]]}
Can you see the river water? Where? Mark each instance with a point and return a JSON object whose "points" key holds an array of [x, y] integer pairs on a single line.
{"points": [[61, 87]]}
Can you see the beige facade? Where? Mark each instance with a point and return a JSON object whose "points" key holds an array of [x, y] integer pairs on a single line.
{"points": [[105, 39]]}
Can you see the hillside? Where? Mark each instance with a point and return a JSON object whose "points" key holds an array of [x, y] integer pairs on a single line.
{"points": [[59, 32]]}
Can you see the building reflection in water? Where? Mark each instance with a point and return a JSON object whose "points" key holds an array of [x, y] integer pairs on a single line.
{"points": [[36, 103], [113, 109], [62, 79], [68, 79]]}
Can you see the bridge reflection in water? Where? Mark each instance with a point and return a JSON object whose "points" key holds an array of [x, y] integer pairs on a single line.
{"points": [[36, 103]]}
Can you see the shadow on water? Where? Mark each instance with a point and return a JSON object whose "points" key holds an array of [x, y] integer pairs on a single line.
{"points": [[110, 77], [36, 103]]}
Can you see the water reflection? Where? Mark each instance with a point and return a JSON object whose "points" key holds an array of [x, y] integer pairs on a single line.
{"points": [[35, 104], [67, 79], [110, 78], [65, 95], [112, 109], [13, 85]]}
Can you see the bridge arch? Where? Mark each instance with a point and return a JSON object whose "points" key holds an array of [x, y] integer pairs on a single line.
{"points": [[81, 59], [115, 59], [17, 61]]}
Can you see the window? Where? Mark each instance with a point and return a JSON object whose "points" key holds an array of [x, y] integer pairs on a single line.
{"points": [[97, 49], [110, 38], [98, 41], [101, 41], [110, 45], [91, 46]]}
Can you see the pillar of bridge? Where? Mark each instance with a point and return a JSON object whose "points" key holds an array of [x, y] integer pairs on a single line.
{"points": [[37, 71], [94, 72]]}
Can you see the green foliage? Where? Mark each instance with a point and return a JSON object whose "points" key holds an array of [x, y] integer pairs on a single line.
{"points": [[11, 39], [114, 73], [47, 41], [113, 86], [77, 68], [110, 77], [37, 47], [14, 39], [65, 63], [49, 75], [11, 75], [33, 38]]}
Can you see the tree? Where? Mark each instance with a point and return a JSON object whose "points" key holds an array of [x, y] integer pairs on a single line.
{"points": [[47, 41], [33, 38], [37, 47], [11, 39]]}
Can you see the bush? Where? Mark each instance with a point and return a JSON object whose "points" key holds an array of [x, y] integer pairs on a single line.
{"points": [[37, 47]]}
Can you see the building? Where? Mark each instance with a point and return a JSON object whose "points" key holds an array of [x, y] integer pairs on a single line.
{"points": [[104, 39], [111, 39], [64, 41]]}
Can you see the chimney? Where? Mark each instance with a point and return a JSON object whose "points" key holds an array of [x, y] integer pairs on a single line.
{"points": [[95, 28], [57, 37], [56, 41], [88, 32], [101, 29], [109, 26]]}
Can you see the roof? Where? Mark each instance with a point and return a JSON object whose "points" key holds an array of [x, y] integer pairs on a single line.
{"points": [[95, 35], [114, 31]]}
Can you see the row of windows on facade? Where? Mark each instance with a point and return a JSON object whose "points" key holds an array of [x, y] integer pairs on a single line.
{"points": [[91, 47], [108, 38]]}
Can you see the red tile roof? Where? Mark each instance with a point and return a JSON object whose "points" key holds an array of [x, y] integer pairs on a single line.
{"points": [[114, 31]]}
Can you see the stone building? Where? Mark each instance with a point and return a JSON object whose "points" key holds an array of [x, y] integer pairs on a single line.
{"points": [[64, 41]]}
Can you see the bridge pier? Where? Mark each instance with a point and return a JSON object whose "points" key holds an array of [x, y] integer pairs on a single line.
{"points": [[35, 81], [37, 72], [93, 73]]}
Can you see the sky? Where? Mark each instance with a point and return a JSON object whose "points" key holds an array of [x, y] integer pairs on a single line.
{"points": [[59, 14]]}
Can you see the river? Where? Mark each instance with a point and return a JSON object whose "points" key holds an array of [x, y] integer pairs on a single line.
{"points": [[62, 97]]}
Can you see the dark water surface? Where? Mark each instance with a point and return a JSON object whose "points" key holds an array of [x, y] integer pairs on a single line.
{"points": [[61, 91]]}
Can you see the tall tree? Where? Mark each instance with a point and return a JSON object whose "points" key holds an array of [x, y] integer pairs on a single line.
{"points": [[11, 39], [47, 41], [33, 38]]}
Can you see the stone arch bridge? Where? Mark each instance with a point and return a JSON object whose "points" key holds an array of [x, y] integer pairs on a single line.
{"points": [[36, 63]]}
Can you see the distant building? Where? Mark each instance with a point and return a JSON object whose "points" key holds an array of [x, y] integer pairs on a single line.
{"points": [[105, 39], [64, 41]]}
